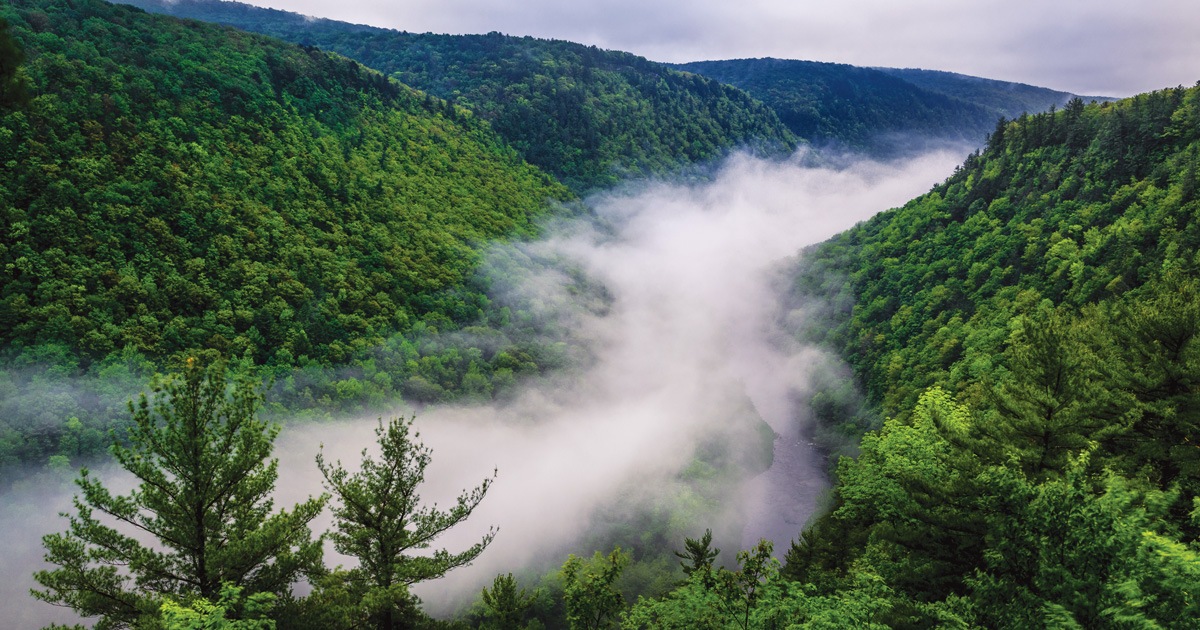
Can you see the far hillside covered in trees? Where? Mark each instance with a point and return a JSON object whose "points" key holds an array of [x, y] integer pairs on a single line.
{"points": [[881, 110], [1004, 98], [591, 117]]}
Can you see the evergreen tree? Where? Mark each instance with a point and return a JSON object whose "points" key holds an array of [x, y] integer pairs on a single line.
{"points": [[1055, 400], [1159, 336], [915, 487], [698, 555], [202, 462], [380, 521], [1085, 548]]}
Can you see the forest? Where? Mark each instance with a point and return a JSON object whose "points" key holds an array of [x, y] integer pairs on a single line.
{"points": [[172, 186], [880, 111], [593, 117], [256, 230], [589, 117], [1029, 330]]}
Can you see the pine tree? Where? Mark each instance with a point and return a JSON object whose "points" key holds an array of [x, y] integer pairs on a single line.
{"points": [[698, 555], [380, 521], [1057, 398], [12, 83], [204, 475]]}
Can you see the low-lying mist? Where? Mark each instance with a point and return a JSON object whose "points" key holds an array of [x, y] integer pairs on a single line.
{"points": [[684, 343]]}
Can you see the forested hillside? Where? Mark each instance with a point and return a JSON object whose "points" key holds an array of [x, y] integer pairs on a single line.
{"points": [[1081, 206], [172, 186], [589, 116], [184, 197], [1030, 327], [1003, 98], [878, 109]]}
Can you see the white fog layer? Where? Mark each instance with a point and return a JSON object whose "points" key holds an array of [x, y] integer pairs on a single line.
{"points": [[689, 334], [688, 337]]}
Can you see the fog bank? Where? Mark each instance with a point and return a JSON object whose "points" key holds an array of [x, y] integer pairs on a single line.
{"points": [[689, 334], [684, 343]]}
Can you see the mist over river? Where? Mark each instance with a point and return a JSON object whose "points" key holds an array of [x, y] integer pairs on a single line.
{"points": [[688, 336]]}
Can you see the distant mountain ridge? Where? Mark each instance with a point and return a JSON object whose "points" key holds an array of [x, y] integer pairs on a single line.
{"points": [[879, 109], [592, 117], [1007, 98], [588, 116]]}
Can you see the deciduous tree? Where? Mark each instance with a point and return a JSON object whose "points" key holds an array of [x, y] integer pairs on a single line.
{"points": [[589, 590]]}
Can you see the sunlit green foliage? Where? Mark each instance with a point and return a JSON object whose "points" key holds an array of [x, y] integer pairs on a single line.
{"points": [[950, 526], [170, 186], [1069, 208], [1052, 285], [230, 612], [174, 186], [589, 590]]}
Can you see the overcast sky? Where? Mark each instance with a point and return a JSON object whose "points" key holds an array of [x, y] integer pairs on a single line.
{"points": [[1092, 47]]}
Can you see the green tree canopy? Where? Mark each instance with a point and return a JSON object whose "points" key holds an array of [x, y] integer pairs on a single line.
{"points": [[504, 604], [589, 590], [201, 459], [588, 116]]}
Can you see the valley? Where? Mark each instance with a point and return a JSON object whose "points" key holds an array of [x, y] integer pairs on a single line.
{"points": [[913, 348]]}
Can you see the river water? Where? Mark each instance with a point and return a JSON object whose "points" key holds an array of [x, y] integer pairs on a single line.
{"points": [[780, 501]]}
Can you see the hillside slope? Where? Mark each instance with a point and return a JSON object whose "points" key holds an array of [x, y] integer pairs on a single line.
{"points": [[1004, 98], [878, 109], [1031, 327], [169, 188], [590, 117], [172, 186], [1074, 207]]}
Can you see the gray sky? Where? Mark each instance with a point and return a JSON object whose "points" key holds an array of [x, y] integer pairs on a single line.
{"points": [[1092, 47]]}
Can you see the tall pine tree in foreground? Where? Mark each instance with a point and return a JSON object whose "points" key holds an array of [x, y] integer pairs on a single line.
{"points": [[380, 520], [200, 517]]}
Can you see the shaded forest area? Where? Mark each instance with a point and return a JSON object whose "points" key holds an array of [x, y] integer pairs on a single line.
{"points": [[882, 111]]}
